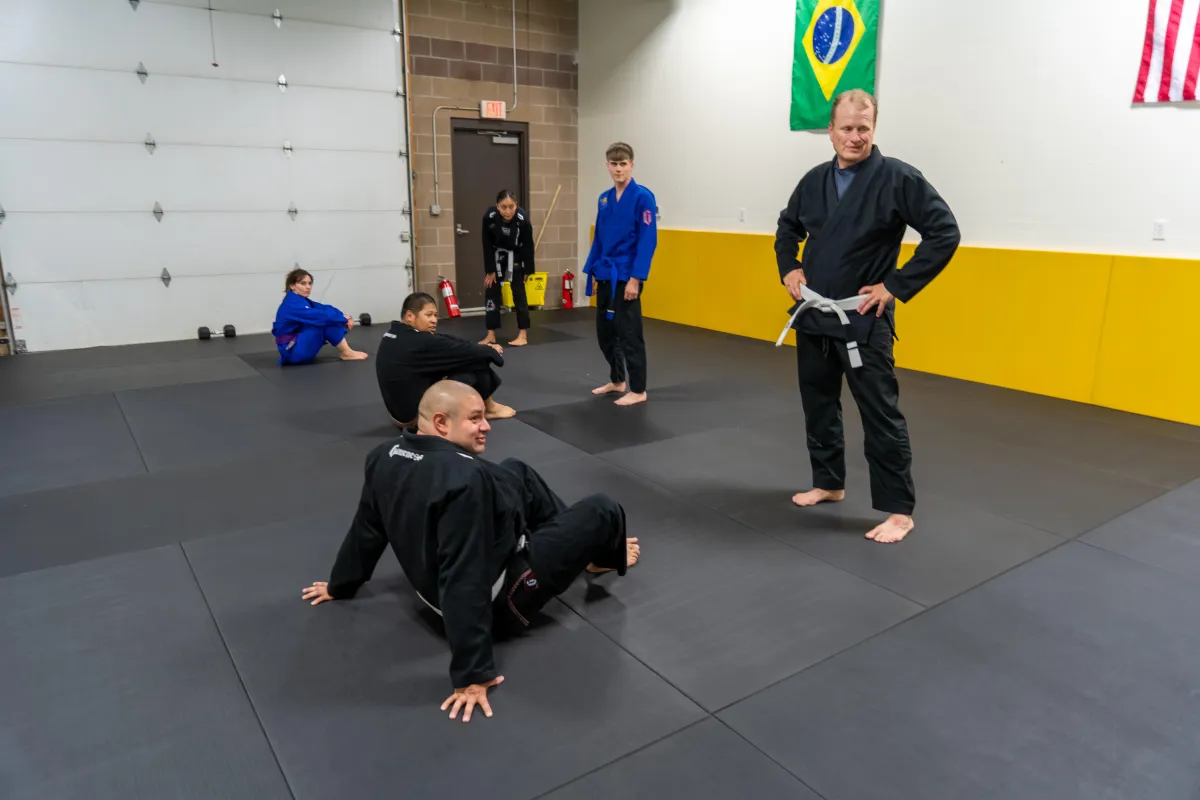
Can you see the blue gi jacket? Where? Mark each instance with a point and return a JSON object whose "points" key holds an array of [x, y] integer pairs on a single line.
{"points": [[295, 312], [626, 236]]}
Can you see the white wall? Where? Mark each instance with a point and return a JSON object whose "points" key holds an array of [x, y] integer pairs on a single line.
{"points": [[79, 186], [1019, 113]]}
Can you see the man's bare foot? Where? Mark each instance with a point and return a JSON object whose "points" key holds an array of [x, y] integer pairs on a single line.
{"points": [[631, 399], [489, 339], [893, 529], [633, 551], [494, 410], [609, 388], [352, 355], [520, 341], [814, 496]]}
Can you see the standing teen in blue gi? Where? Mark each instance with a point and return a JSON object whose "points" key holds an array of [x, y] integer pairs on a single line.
{"points": [[303, 326], [619, 264]]}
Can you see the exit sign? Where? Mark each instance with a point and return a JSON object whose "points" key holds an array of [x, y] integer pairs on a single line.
{"points": [[492, 109]]}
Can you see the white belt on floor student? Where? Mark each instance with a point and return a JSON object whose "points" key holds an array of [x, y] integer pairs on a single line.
{"points": [[496, 587], [823, 304]]}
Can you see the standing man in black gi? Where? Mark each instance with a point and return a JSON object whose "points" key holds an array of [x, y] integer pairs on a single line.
{"points": [[851, 212]]}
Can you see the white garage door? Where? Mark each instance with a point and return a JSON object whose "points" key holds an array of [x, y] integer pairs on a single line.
{"points": [[79, 184]]}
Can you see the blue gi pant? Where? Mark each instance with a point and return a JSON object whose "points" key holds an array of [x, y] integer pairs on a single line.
{"points": [[309, 342]]}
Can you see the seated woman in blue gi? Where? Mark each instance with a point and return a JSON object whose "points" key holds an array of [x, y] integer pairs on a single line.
{"points": [[303, 326]]}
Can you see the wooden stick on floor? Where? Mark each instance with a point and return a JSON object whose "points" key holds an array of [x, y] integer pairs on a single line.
{"points": [[546, 222]]}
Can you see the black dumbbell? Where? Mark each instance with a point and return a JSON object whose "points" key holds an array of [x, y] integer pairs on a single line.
{"points": [[229, 332], [364, 320]]}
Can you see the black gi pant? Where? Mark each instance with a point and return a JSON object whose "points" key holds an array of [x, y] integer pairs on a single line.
{"points": [[494, 298], [821, 362], [485, 381], [620, 338], [561, 542]]}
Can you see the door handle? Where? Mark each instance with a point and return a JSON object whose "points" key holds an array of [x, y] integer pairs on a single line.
{"points": [[459, 229]]}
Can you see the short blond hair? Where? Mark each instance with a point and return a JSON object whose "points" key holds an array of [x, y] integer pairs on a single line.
{"points": [[857, 98]]}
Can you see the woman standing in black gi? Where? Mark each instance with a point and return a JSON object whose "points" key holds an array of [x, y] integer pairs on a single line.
{"points": [[507, 255]]}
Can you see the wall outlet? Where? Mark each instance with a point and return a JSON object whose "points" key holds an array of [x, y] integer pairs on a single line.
{"points": [[435, 210], [741, 215], [1160, 230]]}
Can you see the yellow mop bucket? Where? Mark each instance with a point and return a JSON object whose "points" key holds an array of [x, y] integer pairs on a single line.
{"points": [[535, 290]]}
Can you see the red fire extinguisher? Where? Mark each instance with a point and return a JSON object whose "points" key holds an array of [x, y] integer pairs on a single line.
{"points": [[568, 290], [447, 290]]}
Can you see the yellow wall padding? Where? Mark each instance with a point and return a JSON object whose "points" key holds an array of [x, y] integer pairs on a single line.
{"points": [[1082, 327]]}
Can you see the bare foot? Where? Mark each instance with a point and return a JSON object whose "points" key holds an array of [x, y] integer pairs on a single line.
{"points": [[609, 388], [520, 341], [489, 339], [814, 496], [494, 410], [893, 529], [631, 399], [633, 551], [353, 355]]}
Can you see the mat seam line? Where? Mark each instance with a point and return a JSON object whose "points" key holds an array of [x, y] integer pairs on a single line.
{"points": [[768, 756], [700, 503], [133, 436], [619, 758], [241, 681], [893, 626]]}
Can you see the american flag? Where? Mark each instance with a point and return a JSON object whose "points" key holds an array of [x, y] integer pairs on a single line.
{"points": [[1171, 56]]}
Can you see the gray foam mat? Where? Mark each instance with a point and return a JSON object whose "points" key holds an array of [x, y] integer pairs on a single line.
{"points": [[115, 684], [211, 423], [1072, 676], [716, 608], [752, 476], [1164, 533], [65, 442], [49, 384], [706, 760], [62, 526], [349, 692]]}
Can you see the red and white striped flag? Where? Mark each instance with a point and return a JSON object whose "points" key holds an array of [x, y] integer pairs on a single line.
{"points": [[1171, 57]]}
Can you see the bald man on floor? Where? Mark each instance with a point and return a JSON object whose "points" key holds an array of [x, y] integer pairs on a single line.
{"points": [[484, 545]]}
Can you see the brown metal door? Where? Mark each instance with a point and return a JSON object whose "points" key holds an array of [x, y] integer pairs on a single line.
{"points": [[484, 161]]}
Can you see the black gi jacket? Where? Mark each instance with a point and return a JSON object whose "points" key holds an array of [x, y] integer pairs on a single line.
{"points": [[410, 361], [855, 241], [515, 235], [453, 520]]}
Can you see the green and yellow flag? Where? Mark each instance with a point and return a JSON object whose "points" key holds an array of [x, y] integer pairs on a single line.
{"points": [[836, 42]]}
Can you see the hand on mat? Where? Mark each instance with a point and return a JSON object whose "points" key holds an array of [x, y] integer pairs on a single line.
{"points": [[793, 281], [877, 296], [489, 280], [496, 347], [469, 697], [318, 593], [631, 289]]}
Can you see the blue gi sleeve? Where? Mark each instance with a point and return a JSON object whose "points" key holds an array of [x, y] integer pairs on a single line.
{"points": [[922, 208], [596, 250], [295, 309], [465, 530], [362, 547], [647, 234], [789, 233]]}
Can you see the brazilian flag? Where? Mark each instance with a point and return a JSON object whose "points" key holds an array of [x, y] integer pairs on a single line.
{"points": [[836, 42]]}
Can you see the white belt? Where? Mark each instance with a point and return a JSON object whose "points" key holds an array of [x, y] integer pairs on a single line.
{"points": [[825, 305], [496, 587], [504, 265]]}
